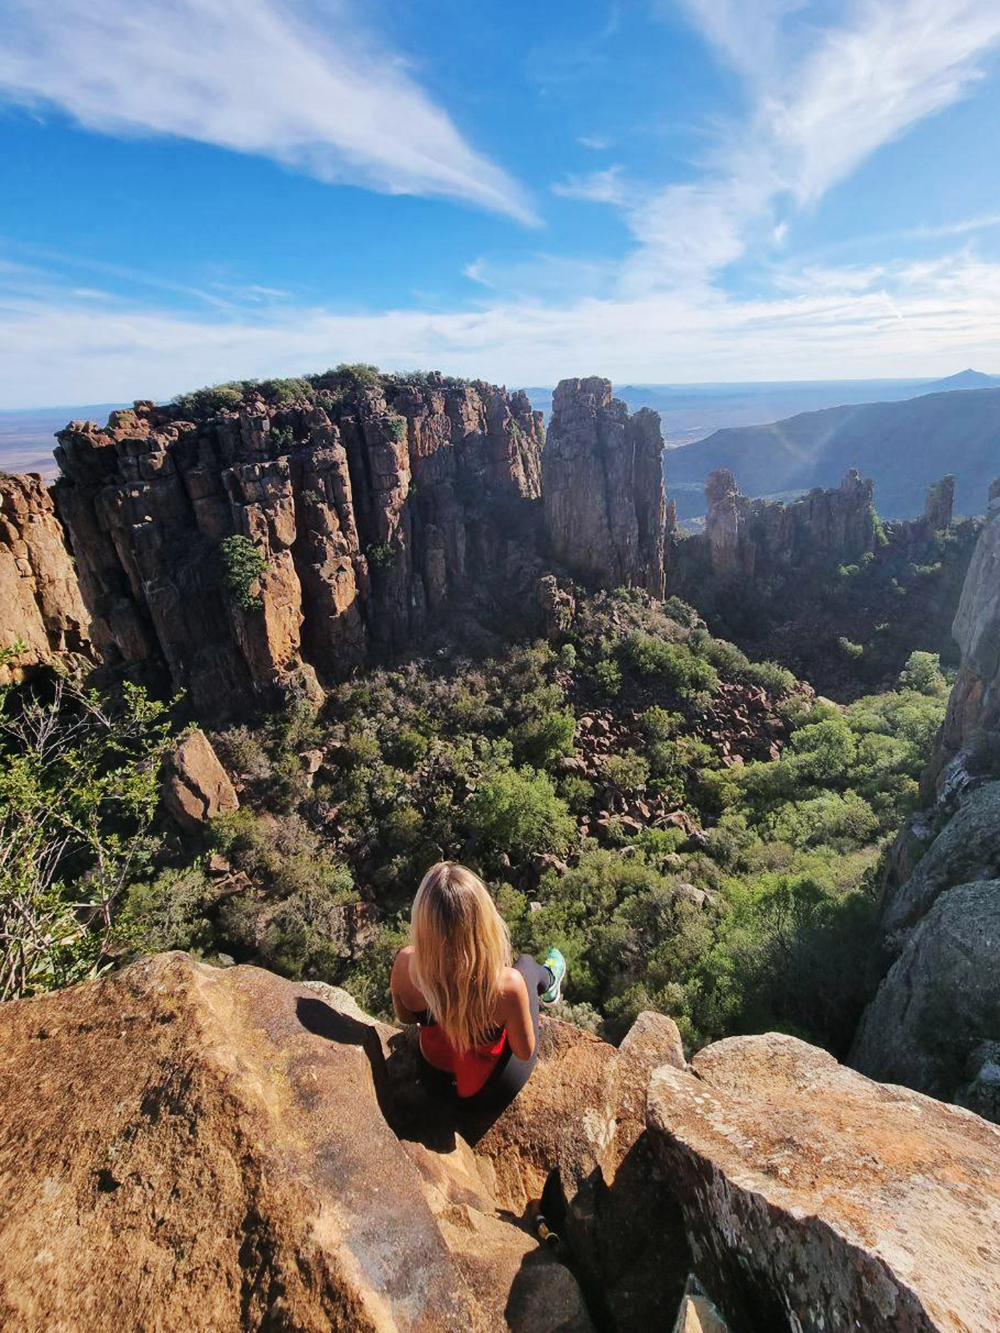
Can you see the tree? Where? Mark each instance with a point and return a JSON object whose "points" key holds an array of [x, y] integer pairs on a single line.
{"points": [[79, 785]]}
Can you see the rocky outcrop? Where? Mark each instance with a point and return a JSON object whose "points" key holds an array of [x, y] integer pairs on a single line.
{"points": [[182, 1146], [974, 704], [40, 602], [188, 1148], [196, 787], [372, 505], [818, 1200], [936, 1015], [940, 999], [605, 507], [745, 535], [939, 507]]}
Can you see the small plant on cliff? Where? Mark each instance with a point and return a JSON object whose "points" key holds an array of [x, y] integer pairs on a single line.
{"points": [[244, 567], [380, 555], [213, 398], [397, 427]]}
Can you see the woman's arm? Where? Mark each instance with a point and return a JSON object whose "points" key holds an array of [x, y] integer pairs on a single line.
{"points": [[407, 1002], [516, 1012]]}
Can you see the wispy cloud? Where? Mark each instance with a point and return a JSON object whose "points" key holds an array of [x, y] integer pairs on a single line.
{"points": [[597, 187], [320, 95], [596, 142], [909, 319], [822, 100]]}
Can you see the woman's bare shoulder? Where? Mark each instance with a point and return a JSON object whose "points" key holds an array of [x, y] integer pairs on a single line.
{"points": [[512, 985], [402, 978]]}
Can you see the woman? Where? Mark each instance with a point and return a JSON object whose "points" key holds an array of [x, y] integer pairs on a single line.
{"points": [[478, 1015]]}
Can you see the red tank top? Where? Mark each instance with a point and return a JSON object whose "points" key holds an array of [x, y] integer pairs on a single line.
{"points": [[470, 1069]]}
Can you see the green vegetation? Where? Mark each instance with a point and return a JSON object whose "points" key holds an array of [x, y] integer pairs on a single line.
{"points": [[744, 900], [79, 788], [380, 555], [244, 567]]}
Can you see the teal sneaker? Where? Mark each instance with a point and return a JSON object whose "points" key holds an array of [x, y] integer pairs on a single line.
{"points": [[556, 964]]}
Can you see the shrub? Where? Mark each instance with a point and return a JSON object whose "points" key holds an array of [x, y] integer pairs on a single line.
{"points": [[923, 674], [608, 675], [169, 912], [213, 398], [409, 748], [380, 555], [396, 426], [518, 813], [629, 771], [674, 663], [658, 723], [540, 740], [242, 752], [577, 792], [244, 567]]}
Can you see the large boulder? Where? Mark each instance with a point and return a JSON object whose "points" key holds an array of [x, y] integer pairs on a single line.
{"points": [[940, 998], [184, 1147], [196, 787], [816, 1200], [967, 848]]}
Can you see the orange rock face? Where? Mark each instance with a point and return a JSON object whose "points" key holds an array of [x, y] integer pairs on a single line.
{"points": [[813, 1194], [40, 602], [373, 510]]}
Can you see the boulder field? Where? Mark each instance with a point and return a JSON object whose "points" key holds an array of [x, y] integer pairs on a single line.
{"points": [[189, 1147]]}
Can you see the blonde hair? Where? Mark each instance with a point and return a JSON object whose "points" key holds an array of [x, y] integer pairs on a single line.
{"points": [[462, 946]]}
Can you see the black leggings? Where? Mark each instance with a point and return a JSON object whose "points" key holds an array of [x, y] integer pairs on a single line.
{"points": [[509, 1075]]}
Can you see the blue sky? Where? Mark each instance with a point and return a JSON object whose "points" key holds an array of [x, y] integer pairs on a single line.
{"points": [[659, 190]]}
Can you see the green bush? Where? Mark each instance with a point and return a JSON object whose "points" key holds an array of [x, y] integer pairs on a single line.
{"points": [[608, 675], [518, 813], [244, 567], [923, 673], [380, 555], [658, 724], [629, 771], [169, 912], [540, 740], [674, 663]]}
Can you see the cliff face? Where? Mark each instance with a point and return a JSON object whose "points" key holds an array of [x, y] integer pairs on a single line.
{"points": [[605, 507], [40, 602], [372, 505], [743, 533], [934, 1023]]}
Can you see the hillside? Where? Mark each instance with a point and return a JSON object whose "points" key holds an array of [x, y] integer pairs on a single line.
{"points": [[903, 447]]}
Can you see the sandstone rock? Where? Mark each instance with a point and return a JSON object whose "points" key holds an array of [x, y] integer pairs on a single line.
{"points": [[40, 601], [182, 1147], [698, 1314], [746, 536], [940, 998], [940, 504], [817, 1200], [966, 849], [372, 509], [603, 491], [196, 787], [974, 703]]}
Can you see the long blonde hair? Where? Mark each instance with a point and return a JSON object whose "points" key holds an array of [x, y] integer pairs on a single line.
{"points": [[462, 945]]}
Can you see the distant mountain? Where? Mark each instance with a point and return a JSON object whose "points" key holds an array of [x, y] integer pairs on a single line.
{"points": [[965, 379], [689, 412], [902, 446]]}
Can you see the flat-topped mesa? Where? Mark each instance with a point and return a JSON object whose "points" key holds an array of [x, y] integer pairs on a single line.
{"points": [[743, 534], [603, 490], [40, 602], [372, 500]]}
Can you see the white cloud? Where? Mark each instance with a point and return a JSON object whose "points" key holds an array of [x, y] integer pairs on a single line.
{"points": [[823, 99], [594, 141], [322, 97], [596, 187], [906, 320]]}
